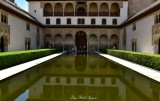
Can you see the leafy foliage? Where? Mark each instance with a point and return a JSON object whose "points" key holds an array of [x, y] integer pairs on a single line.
{"points": [[145, 59], [8, 59]]}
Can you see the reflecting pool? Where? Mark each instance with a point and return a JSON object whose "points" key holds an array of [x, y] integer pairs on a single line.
{"points": [[73, 77]]}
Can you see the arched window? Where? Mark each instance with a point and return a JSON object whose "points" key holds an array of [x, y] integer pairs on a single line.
{"points": [[93, 9], [58, 9], [104, 10], [81, 9], [48, 10], [114, 41], [115, 10], [69, 10]]}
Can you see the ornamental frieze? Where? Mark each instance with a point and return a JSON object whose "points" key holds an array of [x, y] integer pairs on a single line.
{"points": [[4, 29], [103, 31]]}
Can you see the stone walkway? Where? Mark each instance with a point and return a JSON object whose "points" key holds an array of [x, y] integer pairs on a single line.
{"points": [[19, 68], [146, 71]]}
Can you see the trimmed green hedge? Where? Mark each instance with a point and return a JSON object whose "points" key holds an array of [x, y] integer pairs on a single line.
{"points": [[8, 59], [145, 59]]}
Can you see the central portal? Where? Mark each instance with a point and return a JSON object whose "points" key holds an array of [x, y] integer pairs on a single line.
{"points": [[81, 42]]}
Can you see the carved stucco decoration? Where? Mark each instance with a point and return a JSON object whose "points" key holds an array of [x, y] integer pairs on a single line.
{"points": [[103, 31], [68, 31]]}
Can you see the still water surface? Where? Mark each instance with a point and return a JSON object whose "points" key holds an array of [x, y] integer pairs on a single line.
{"points": [[73, 77]]}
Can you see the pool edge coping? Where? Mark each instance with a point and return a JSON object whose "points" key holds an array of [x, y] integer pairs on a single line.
{"points": [[22, 67], [146, 71]]}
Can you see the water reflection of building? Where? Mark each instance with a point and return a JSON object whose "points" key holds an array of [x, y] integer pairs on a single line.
{"points": [[13, 87], [82, 64], [63, 88], [104, 80]]}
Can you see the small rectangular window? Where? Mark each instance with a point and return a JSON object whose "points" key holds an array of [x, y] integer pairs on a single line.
{"points": [[37, 30], [27, 26], [134, 27], [68, 21], [114, 22], [58, 21], [104, 22], [79, 21], [93, 21], [4, 18], [48, 21], [83, 21]]}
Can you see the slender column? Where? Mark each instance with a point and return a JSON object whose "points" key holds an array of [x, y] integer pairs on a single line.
{"points": [[98, 8], [63, 7], [74, 7], [53, 8], [88, 9]]}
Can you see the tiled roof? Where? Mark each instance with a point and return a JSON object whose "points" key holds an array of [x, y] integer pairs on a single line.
{"points": [[17, 9], [144, 10]]}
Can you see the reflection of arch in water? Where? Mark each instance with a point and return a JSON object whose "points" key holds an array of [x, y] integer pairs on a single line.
{"points": [[47, 91], [92, 62], [113, 92], [92, 90], [80, 90], [103, 63], [68, 61], [68, 91], [80, 63], [58, 91], [102, 92], [57, 62]]}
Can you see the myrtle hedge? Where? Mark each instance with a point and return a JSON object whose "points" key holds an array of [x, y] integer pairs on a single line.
{"points": [[145, 59], [8, 59]]}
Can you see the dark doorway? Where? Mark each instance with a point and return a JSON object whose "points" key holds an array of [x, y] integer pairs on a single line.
{"points": [[81, 42], [159, 47], [2, 44]]}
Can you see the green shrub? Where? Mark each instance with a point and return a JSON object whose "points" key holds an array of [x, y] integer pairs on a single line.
{"points": [[103, 50], [145, 59], [8, 59]]}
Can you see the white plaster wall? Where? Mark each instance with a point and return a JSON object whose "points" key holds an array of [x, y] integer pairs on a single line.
{"points": [[18, 33], [143, 35], [35, 5]]}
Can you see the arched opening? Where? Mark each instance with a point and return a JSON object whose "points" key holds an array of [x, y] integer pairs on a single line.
{"points": [[48, 41], [103, 41], [2, 44], [69, 10], [68, 42], [81, 9], [93, 43], [58, 9], [93, 9], [58, 41], [114, 42], [48, 10], [81, 42], [104, 10], [115, 10]]}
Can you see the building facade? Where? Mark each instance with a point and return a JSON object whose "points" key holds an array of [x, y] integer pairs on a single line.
{"points": [[83, 25]]}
